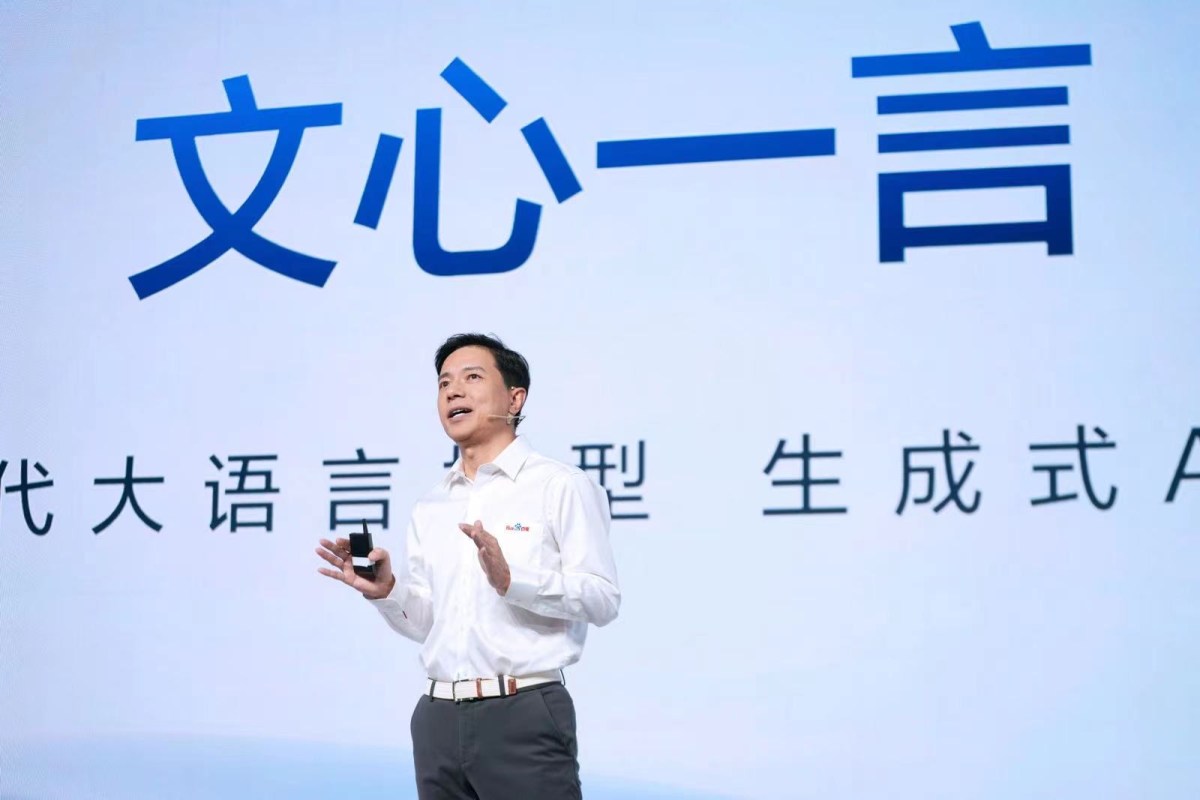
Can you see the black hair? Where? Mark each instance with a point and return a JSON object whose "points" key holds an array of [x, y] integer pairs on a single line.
{"points": [[514, 369]]}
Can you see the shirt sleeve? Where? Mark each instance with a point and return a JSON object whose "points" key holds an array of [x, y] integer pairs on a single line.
{"points": [[584, 588], [408, 609]]}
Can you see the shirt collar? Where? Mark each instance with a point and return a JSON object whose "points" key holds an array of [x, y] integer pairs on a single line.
{"points": [[510, 461]]}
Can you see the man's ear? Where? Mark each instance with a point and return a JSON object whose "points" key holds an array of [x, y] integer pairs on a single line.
{"points": [[516, 397]]}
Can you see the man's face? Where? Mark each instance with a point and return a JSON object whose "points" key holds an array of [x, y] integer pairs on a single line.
{"points": [[470, 390]]}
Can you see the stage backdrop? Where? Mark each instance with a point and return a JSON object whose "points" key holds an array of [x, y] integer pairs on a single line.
{"points": [[878, 321]]}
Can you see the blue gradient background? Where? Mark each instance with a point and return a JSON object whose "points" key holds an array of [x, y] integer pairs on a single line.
{"points": [[710, 309]]}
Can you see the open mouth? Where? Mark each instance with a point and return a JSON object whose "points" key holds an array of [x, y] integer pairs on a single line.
{"points": [[458, 413]]}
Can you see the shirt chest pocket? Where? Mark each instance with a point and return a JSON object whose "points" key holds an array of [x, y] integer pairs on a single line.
{"points": [[521, 542]]}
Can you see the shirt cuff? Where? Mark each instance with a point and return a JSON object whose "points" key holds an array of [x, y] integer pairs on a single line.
{"points": [[523, 585]]}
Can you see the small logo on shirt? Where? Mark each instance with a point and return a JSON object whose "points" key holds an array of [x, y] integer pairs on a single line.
{"points": [[516, 526]]}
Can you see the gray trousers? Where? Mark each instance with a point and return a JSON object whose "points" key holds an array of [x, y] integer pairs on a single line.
{"points": [[520, 747]]}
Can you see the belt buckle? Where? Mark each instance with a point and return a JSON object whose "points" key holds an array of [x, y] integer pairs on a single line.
{"points": [[467, 698]]}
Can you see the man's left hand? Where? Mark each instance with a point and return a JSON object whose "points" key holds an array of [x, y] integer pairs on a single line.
{"points": [[491, 557]]}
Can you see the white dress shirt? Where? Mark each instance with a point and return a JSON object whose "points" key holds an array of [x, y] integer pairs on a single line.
{"points": [[552, 523]]}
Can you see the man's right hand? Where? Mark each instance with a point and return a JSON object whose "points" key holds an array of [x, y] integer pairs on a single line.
{"points": [[338, 555]]}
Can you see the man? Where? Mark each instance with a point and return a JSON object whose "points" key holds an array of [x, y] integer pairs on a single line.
{"points": [[508, 560]]}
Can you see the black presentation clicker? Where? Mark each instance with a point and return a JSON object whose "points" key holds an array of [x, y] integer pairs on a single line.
{"points": [[360, 551]]}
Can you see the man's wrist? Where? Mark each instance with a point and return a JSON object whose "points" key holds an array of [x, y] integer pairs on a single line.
{"points": [[522, 586], [391, 585]]}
